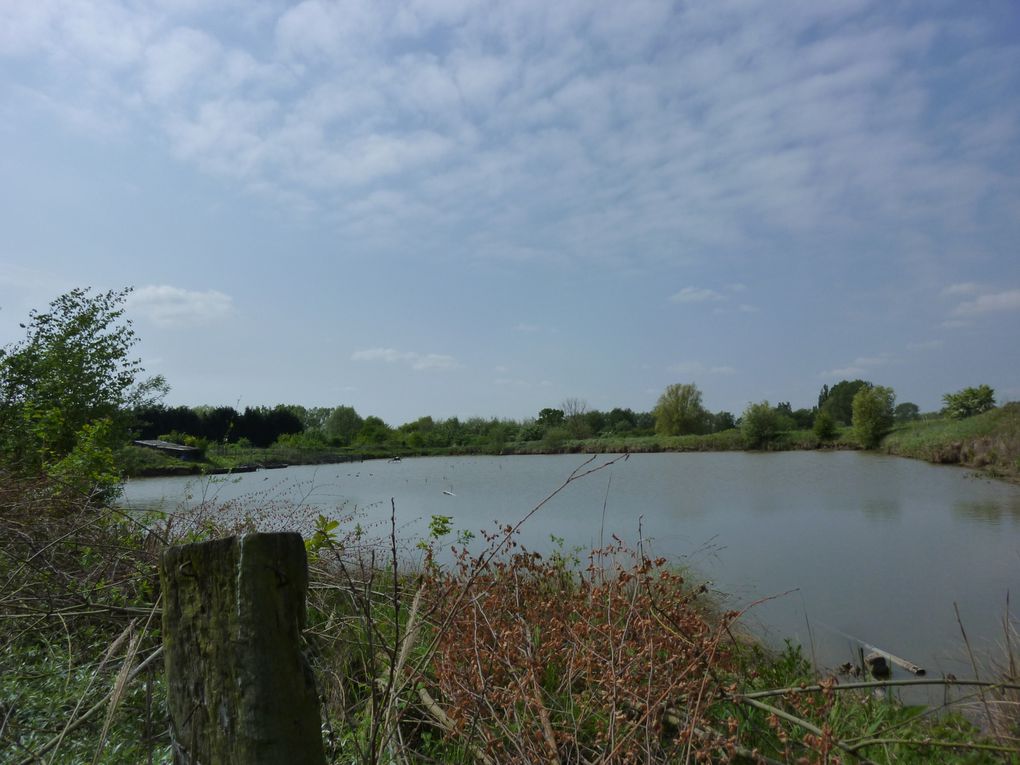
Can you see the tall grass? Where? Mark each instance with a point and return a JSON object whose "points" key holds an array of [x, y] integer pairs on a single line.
{"points": [[990, 441]]}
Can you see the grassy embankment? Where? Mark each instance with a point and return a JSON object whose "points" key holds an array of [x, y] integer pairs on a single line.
{"points": [[989, 442], [137, 461], [502, 658]]}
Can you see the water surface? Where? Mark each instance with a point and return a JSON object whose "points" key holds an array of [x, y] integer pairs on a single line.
{"points": [[839, 544]]}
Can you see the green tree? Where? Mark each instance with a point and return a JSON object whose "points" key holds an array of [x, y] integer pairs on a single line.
{"points": [[873, 414], [550, 418], [679, 411], [723, 421], [907, 412], [70, 386], [761, 423], [838, 401], [343, 425], [374, 431], [968, 402]]}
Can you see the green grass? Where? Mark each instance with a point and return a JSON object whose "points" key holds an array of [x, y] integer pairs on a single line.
{"points": [[990, 441]]}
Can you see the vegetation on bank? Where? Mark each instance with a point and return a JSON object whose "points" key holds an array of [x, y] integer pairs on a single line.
{"points": [[502, 656], [989, 441]]}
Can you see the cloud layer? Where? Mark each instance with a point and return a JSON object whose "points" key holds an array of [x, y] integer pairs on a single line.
{"points": [[657, 130], [168, 306], [417, 361]]}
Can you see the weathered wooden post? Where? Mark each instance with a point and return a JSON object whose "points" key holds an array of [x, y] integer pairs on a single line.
{"points": [[239, 690]]}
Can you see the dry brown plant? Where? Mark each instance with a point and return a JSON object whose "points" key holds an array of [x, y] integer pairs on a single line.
{"points": [[538, 664]]}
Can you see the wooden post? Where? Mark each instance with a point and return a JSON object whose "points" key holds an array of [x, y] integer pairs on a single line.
{"points": [[239, 689]]}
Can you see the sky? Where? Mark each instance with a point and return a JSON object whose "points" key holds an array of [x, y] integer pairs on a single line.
{"points": [[451, 207]]}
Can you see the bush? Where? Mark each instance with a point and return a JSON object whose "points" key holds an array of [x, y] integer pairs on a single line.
{"points": [[872, 414], [968, 402], [825, 426], [554, 438], [761, 424]]}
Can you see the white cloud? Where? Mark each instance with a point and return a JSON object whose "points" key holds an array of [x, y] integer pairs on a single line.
{"points": [[699, 368], [843, 372], [696, 295], [525, 327], [925, 345], [168, 306], [990, 302], [176, 62], [962, 288], [417, 361], [860, 366]]}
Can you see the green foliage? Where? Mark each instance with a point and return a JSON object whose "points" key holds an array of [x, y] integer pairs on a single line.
{"points": [[968, 402], [800, 418], [343, 424], [440, 526], [323, 537], [907, 412], [721, 421], [550, 418], [838, 400], [72, 372], [761, 425], [554, 438], [990, 440], [373, 431], [314, 439], [89, 469], [825, 426], [872, 414], [679, 411]]}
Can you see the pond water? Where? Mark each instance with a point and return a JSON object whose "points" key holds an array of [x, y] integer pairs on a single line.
{"points": [[840, 544]]}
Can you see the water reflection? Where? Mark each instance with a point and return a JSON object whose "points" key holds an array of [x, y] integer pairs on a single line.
{"points": [[881, 509], [988, 511]]}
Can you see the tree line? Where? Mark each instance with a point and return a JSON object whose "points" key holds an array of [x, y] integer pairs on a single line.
{"points": [[71, 393]]}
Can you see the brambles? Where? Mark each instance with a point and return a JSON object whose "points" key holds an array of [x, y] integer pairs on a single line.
{"points": [[537, 667]]}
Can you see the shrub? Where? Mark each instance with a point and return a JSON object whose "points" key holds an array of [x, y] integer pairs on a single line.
{"points": [[872, 414], [825, 426], [968, 402], [761, 424]]}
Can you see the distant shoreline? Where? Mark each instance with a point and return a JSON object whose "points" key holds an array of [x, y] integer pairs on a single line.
{"points": [[988, 443]]}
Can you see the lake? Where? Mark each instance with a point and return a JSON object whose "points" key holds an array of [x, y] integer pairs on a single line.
{"points": [[842, 544]]}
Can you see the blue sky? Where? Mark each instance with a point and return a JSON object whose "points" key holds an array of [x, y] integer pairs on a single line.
{"points": [[451, 207]]}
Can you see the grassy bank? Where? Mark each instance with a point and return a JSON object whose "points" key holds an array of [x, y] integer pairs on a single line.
{"points": [[501, 657], [989, 442], [139, 462]]}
